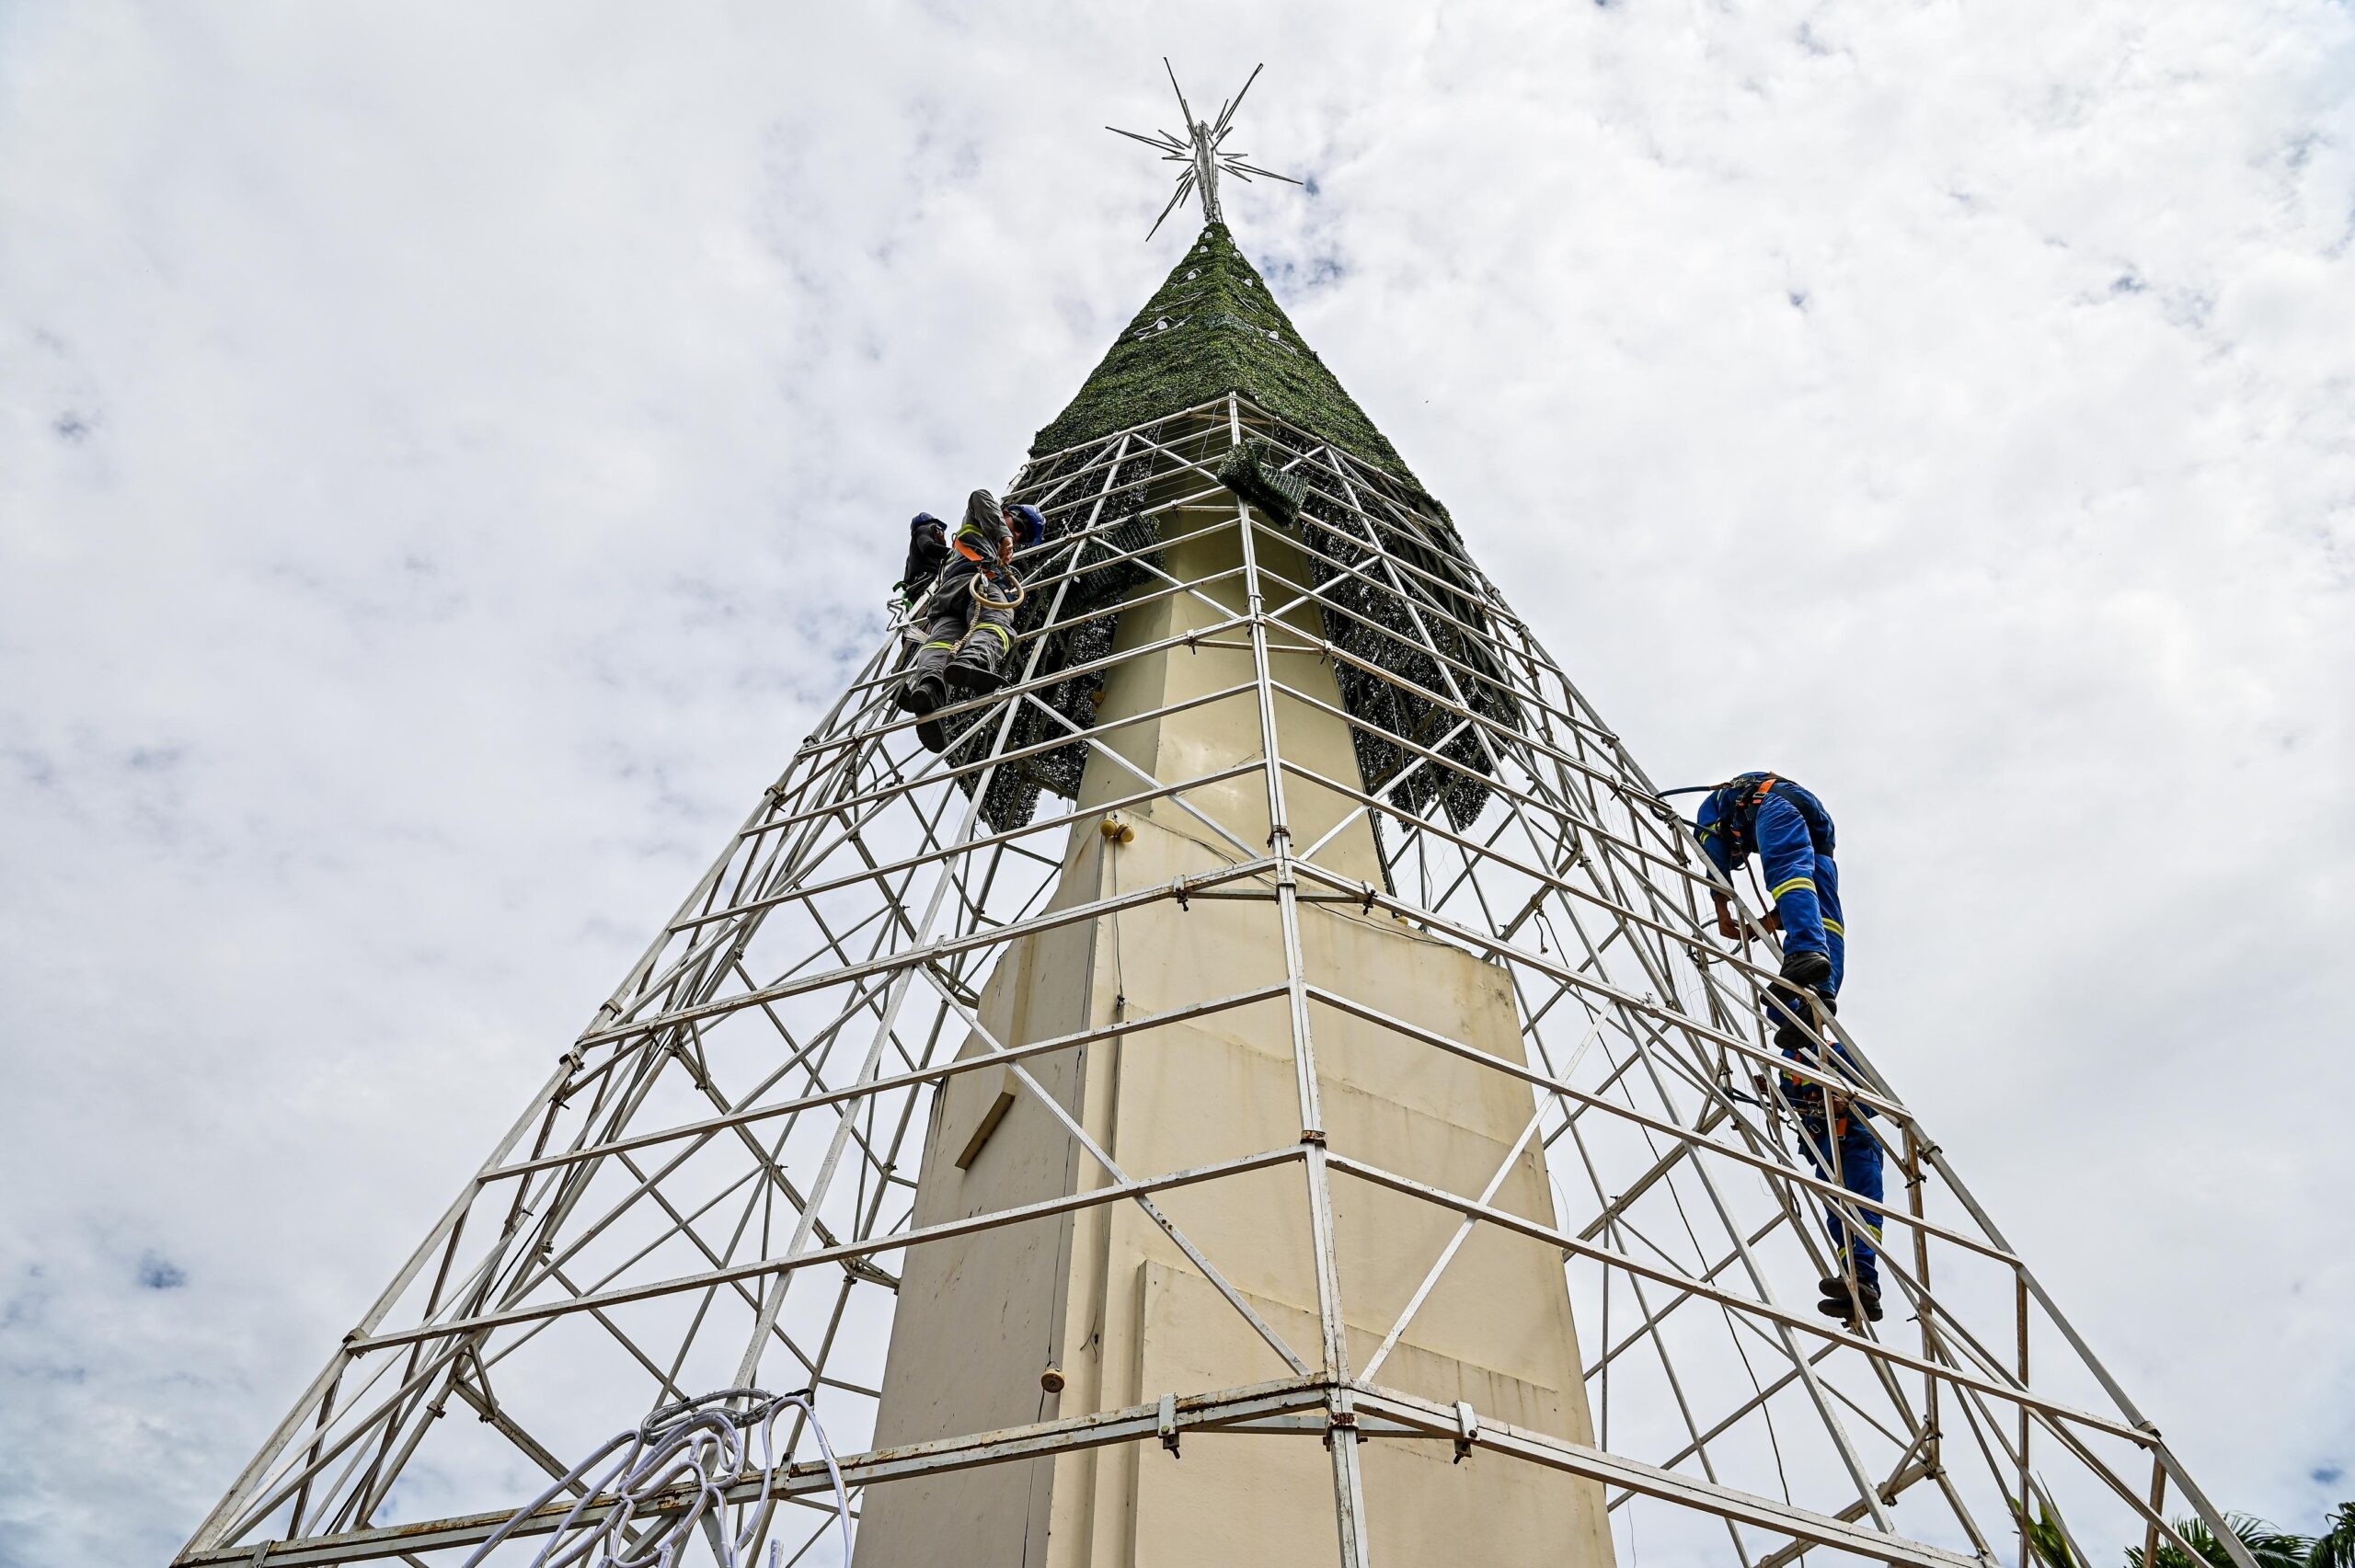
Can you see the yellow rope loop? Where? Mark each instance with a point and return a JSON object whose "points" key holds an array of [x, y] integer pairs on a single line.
{"points": [[982, 597]]}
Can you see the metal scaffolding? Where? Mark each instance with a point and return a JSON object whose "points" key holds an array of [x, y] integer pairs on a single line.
{"points": [[715, 1186]]}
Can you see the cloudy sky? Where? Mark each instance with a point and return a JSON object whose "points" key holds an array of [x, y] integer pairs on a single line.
{"points": [[448, 453]]}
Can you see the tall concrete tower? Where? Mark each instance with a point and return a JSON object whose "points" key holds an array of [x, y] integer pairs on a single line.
{"points": [[1269, 1092], [1284, 989]]}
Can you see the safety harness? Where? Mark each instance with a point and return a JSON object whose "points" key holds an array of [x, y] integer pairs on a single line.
{"points": [[1740, 824], [999, 571], [1741, 821]]}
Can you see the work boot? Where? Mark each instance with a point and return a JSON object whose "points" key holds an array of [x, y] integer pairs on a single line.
{"points": [[1797, 1024], [1838, 1303], [1809, 972], [922, 697], [921, 694], [974, 679]]}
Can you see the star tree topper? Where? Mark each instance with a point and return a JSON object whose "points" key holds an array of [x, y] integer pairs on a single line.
{"points": [[1202, 150]]}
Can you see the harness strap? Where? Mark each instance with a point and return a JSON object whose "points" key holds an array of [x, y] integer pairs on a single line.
{"points": [[1741, 819], [1004, 550], [1742, 822]]}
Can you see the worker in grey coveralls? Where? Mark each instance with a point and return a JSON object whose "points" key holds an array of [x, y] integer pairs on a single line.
{"points": [[968, 638]]}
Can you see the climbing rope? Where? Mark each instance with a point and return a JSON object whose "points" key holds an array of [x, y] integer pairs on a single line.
{"points": [[980, 595], [701, 1446]]}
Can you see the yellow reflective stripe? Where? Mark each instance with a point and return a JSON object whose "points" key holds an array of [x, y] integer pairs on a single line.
{"points": [[940, 645], [1777, 892], [1004, 637], [1835, 928], [1846, 1256]]}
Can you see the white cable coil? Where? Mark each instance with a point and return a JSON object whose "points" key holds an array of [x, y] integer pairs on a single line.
{"points": [[702, 1444]]}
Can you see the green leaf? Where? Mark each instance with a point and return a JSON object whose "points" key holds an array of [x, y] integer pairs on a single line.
{"points": [[2047, 1542], [2270, 1548], [2335, 1548]]}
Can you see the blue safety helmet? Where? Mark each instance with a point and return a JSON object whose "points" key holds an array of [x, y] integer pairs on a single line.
{"points": [[922, 520], [1029, 523]]}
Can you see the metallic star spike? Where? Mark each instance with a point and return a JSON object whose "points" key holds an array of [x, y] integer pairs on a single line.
{"points": [[1201, 150]]}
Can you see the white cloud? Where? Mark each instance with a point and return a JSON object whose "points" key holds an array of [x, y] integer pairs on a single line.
{"points": [[446, 457]]}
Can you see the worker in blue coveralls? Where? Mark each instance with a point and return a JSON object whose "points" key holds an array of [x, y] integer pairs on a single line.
{"points": [[1788, 829], [969, 623]]}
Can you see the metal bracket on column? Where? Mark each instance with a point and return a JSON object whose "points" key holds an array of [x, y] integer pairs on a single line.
{"points": [[1166, 1426], [1467, 1429], [1341, 1415]]}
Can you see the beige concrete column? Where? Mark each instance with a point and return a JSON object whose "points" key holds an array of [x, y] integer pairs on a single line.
{"points": [[1217, 735], [1107, 1304]]}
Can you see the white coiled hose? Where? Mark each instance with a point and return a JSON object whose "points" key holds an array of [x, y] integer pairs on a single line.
{"points": [[704, 1445]]}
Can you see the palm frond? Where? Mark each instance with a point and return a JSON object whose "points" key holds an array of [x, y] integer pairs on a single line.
{"points": [[2335, 1548], [2270, 1548], [2047, 1542]]}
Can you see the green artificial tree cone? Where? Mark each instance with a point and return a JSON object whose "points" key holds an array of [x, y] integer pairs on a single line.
{"points": [[1213, 328]]}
